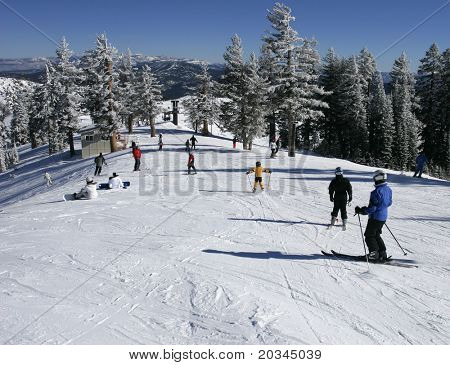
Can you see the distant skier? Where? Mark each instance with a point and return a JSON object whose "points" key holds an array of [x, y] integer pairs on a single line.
{"points": [[340, 191], [48, 179], [421, 161], [193, 142], [115, 182], [137, 154], [234, 142], [273, 148], [160, 143], [278, 144], [99, 161], [188, 147], [191, 163], [88, 192], [258, 170], [380, 201]]}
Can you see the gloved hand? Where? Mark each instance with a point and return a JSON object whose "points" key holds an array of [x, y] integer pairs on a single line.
{"points": [[247, 172], [360, 210], [331, 199], [270, 172]]}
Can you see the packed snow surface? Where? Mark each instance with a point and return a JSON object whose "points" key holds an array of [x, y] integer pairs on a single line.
{"points": [[179, 259]]}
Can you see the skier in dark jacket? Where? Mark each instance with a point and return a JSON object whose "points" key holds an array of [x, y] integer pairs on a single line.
{"points": [[188, 147], [340, 189], [99, 161], [421, 161], [380, 201], [193, 142]]}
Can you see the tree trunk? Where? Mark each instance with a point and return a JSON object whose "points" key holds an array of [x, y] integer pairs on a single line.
{"points": [[205, 130], [113, 142], [244, 142], [33, 140], [272, 128], [130, 123], [152, 127], [71, 144], [250, 145], [292, 136]]}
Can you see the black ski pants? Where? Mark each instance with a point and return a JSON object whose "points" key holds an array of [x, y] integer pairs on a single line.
{"points": [[191, 167], [137, 164], [373, 235], [340, 204], [98, 170]]}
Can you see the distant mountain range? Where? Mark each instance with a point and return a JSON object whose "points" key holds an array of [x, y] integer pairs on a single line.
{"points": [[176, 75]]}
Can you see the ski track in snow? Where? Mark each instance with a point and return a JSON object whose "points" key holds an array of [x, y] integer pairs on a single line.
{"points": [[214, 264]]}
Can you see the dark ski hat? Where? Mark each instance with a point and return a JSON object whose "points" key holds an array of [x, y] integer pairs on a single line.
{"points": [[258, 163], [115, 174], [339, 171]]}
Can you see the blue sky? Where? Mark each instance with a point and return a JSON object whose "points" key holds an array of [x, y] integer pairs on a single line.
{"points": [[202, 28]]}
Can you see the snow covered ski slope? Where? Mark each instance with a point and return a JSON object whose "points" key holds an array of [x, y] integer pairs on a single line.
{"points": [[179, 259]]}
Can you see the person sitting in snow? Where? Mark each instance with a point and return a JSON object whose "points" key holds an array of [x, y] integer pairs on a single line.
{"points": [[88, 192], [115, 182], [258, 170], [339, 189], [380, 201]]}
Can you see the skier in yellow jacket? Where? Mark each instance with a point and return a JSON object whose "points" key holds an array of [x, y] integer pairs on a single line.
{"points": [[258, 170]]}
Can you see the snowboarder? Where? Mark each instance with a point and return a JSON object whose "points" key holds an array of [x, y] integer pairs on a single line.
{"points": [[188, 146], [99, 161], [137, 153], [273, 148], [160, 142], [190, 164], [193, 142], [234, 142], [421, 161], [278, 144], [258, 170], [88, 192], [340, 191], [115, 182], [48, 179], [380, 201]]}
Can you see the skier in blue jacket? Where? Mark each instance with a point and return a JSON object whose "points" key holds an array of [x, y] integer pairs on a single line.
{"points": [[380, 201], [421, 161]]}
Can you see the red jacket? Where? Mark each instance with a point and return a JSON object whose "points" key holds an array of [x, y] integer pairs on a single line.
{"points": [[137, 153], [191, 160]]}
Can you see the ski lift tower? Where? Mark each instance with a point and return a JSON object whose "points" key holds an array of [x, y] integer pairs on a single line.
{"points": [[175, 111]]}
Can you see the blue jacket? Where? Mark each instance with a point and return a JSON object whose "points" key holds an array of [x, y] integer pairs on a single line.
{"points": [[421, 160], [380, 200]]}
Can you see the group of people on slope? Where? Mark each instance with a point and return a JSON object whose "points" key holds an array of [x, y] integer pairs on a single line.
{"points": [[191, 144], [89, 191], [340, 190]]}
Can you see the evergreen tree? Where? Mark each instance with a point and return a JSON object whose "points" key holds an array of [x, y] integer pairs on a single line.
{"points": [[255, 101], [356, 137], [283, 43], [233, 108], [128, 90], [38, 123], [310, 100], [149, 91], [366, 68], [4, 112], [429, 86], [405, 123], [66, 82], [445, 112], [380, 124], [202, 108], [102, 93], [19, 130]]}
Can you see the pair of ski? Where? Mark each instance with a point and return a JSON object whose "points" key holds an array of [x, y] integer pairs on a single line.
{"points": [[362, 258]]}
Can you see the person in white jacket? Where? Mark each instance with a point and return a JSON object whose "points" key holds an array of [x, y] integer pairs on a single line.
{"points": [[48, 179], [115, 182], [88, 192]]}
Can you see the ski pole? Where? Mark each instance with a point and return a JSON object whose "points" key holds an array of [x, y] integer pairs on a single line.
{"points": [[364, 245], [250, 183], [398, 243]]}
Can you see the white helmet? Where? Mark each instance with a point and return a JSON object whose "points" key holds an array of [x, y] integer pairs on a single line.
{"points": [[379, 175], [89, 180]]}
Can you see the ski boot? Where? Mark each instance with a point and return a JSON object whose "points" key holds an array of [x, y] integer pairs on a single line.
{"points": [[344, 224], [383, 256], [333, 221], [374, 256]]}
